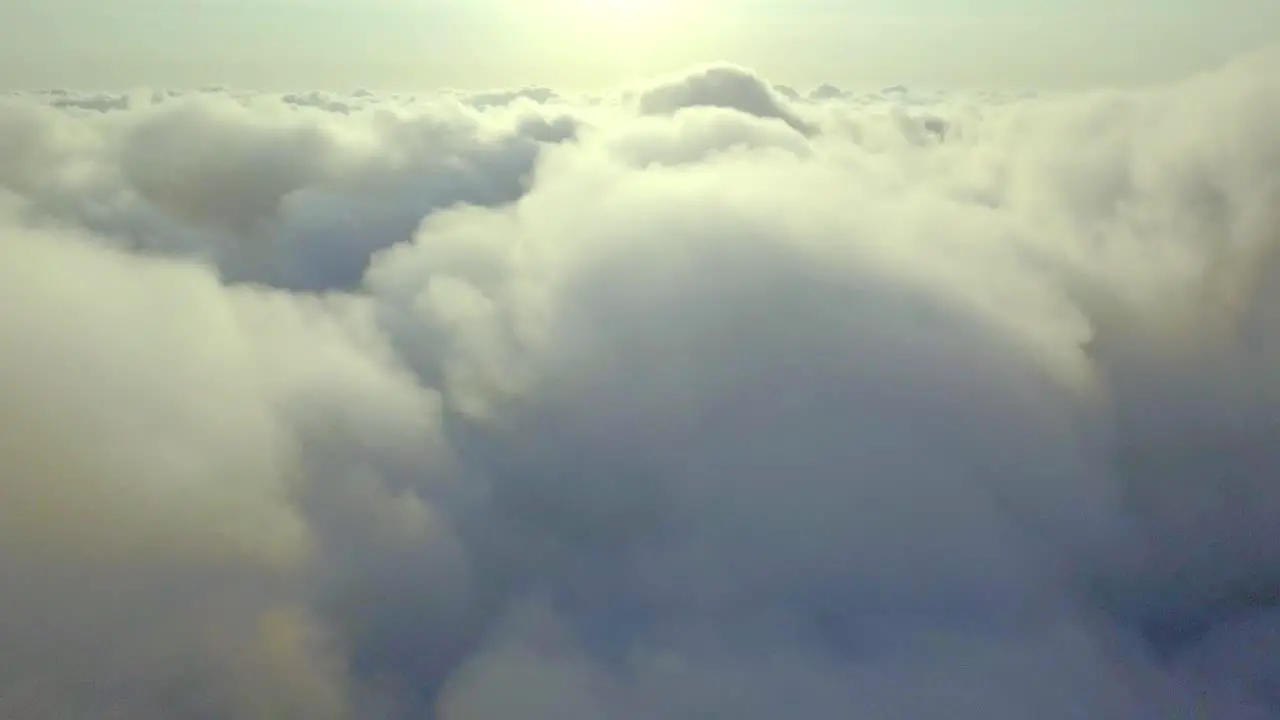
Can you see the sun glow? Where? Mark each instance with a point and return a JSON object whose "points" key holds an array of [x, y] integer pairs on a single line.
{"points": [[636, 14], [629, 37], [624, 6], [627, 7]]}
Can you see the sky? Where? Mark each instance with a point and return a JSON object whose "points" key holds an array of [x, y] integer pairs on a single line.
{"points": [[590, 44]]}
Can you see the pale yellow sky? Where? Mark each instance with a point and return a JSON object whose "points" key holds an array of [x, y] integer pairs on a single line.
{"points": [[582, 44]]}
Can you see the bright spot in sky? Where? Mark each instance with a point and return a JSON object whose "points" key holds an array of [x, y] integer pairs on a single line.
{"points": [[632, 13], [627, 7], [626, 33]]}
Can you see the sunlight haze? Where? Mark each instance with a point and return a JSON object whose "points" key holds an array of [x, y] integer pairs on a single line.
{"points": [[415, 44]]}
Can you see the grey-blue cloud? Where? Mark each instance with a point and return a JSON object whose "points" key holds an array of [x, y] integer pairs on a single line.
{"points": [[706, 400]]}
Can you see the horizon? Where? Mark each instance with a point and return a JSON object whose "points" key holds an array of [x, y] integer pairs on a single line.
{"points": [[319, 44]]}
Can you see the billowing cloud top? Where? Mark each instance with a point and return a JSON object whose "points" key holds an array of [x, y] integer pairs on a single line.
{"points": [[715, 400], [723, 86]]}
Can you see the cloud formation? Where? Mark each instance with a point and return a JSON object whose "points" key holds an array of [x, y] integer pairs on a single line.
{"points": [[721, 86], [711, 400]]}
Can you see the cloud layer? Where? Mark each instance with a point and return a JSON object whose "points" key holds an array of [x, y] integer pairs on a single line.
{"points": [[708, 399]]}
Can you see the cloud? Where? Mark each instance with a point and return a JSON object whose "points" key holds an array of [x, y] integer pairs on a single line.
{"points": [[268, 189], [722, 86], [146, 503], [499, 98], [718, 402], [827, 91]]}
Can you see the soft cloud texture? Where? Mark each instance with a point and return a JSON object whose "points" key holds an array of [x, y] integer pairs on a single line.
{"points": [[705, 400]]}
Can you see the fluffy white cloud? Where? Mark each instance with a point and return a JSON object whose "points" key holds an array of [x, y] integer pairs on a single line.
{"points": [[707, 400], [724, 86]]}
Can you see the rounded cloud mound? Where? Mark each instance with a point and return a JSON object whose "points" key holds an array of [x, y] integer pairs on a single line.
{"points": [[827, 91], [391, 408], [722, 86]]}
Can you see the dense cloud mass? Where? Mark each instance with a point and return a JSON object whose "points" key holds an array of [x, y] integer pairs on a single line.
{"points": [[705, 400]]}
